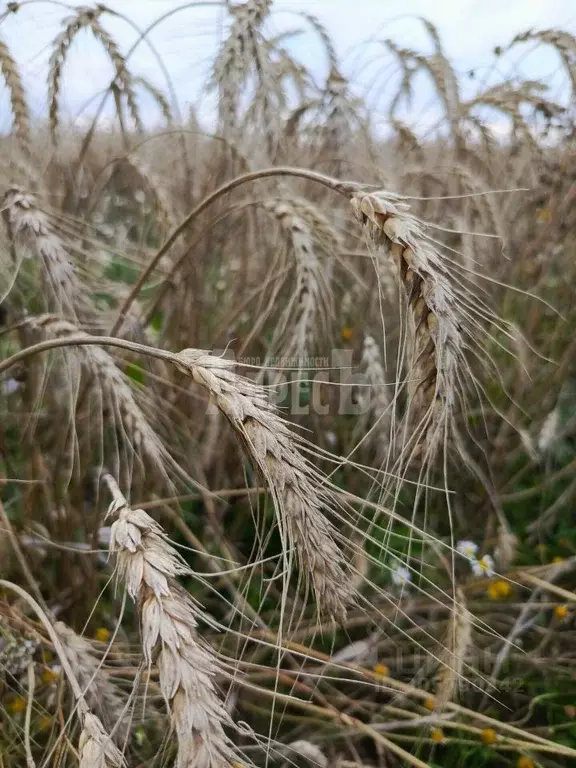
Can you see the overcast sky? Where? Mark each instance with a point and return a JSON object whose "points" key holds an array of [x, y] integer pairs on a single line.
{"points": [[188, 40]]}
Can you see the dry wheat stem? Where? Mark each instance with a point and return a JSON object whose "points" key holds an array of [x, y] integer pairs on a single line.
{"points": [[187, 666]]}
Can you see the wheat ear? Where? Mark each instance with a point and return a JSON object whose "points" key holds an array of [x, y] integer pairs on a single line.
{"points": [[435, 309], [272, 447], [18, 102], [100, 694], [187, 666], [32, 227], [458, 642], [101, 366]]}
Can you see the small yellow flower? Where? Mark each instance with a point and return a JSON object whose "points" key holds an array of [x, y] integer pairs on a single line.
{"points": [[499, 590], [437, 735], [45, 722], [544, 215], [557, 559], [16, 705], [382, 670], [489, 736], [561, 611], [50, 675], [430, 704], [346, 333], [102, 634], [525, 762]]}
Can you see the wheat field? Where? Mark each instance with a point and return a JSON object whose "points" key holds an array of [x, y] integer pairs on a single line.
{"points": [[288, 407]]}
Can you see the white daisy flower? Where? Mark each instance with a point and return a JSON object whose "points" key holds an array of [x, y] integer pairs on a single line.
{"points": [[401, 575], [483, 567], [467, 548]]}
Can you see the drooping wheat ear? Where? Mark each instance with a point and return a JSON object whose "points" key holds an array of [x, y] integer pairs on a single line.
{"points": [[101, 695], [187, 666], [61, 47], [309, 306], [240, 52], [436, 309], [97, 750], [123, 75], [377, 395], [292, 481], [30, 226], [103, 372], [157, 95], [562, 40], [457, 645], [325, 235], [87, 17], [13, 81]]}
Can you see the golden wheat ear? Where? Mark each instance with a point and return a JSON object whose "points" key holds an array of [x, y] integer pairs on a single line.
{"points": [[169, 617], [18, 101], [293, 483]]}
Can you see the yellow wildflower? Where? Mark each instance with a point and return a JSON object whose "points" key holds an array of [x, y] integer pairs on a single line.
{"points": [[561, 611], [102, 634], [525, 762], [16, 705], [51, 675], [489, 736], [498, 590], [544, 215], [382, 669], [430, 704], [437, 735], [346, 333], [557, 559], [45, 722]]}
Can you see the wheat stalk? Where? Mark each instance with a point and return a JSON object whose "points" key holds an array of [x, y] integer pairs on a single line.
{"points": [[148, 565]]}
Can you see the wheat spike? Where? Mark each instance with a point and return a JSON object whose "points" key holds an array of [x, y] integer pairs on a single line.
{"points": [[18, 100], [100, 694], [290, 478], [100, 365], [457, 645], [148, 565], [87, 17], [96, 748], [29, 225], [435, 308]]}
